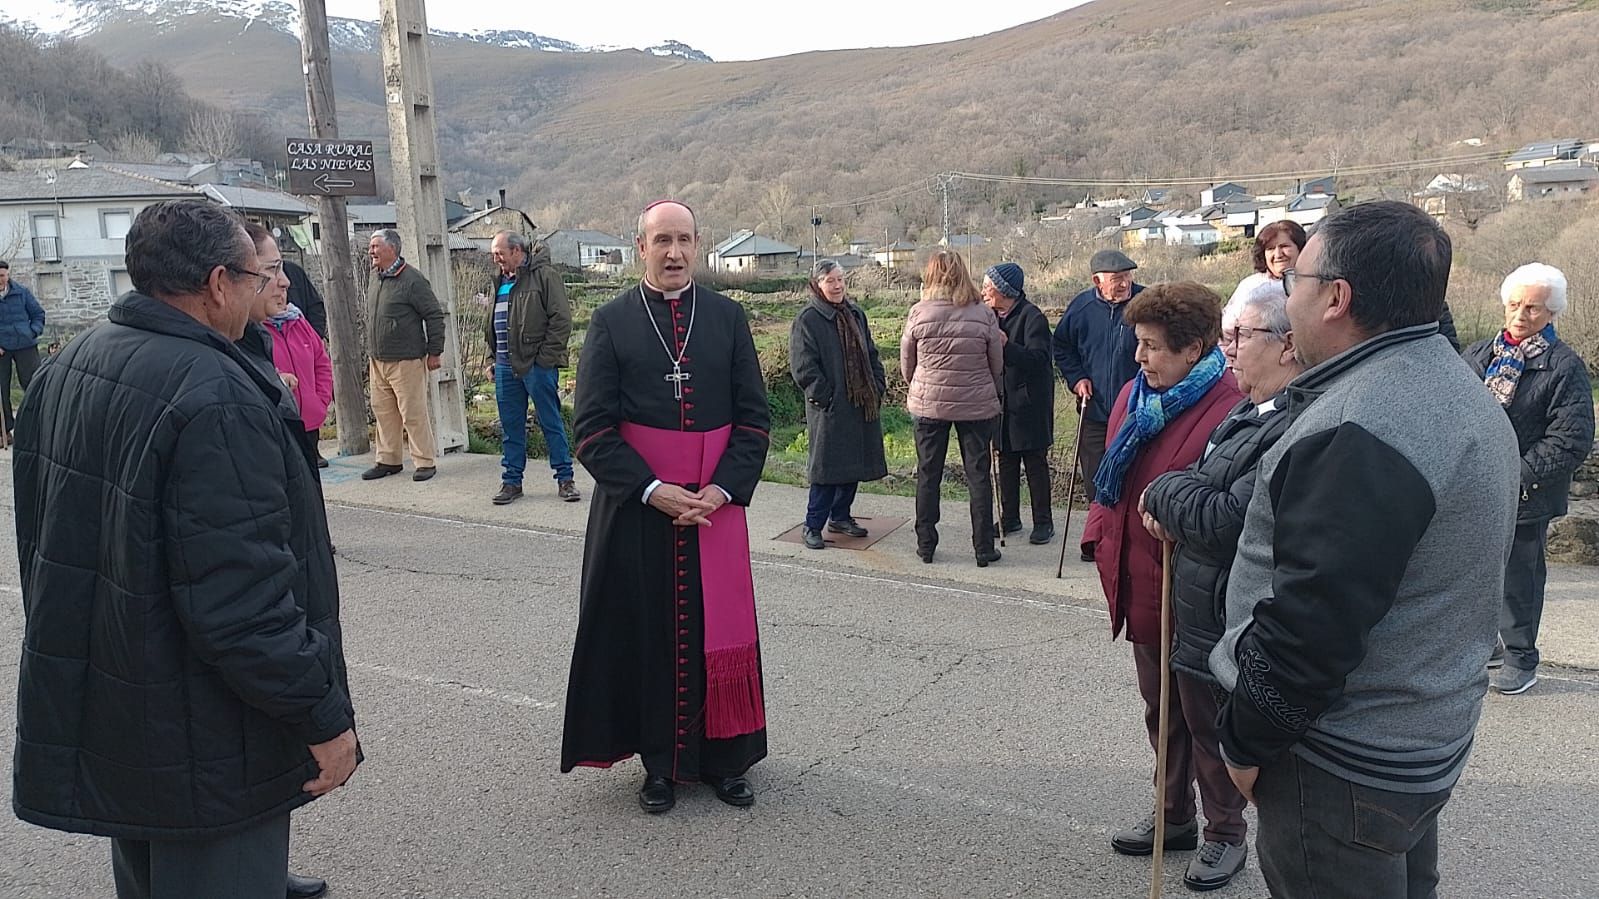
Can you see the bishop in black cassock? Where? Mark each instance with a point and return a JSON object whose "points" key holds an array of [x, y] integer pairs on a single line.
{"points": [[666, 664]]}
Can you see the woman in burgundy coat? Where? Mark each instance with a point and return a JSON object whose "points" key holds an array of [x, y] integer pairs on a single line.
{"points": [[1160, 422]]}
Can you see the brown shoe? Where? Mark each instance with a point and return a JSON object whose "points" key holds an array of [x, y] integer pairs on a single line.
{"points": [[423, 474], [509, 493], [568, 492], [381, 470]]}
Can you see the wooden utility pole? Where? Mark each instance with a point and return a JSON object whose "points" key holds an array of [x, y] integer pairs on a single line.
{"points": [[419, 197], [338, 275]]}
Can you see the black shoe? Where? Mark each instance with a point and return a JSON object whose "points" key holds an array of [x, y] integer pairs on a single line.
{"points": [[381, 471], [925, 552], [1088, 552], [657, 795], [320, 463], [732, 790], [1041, 534], [509, 493], [984, 556], [424, 474], [306, 887], [846, 526], [1010, 527], [813, 538]]}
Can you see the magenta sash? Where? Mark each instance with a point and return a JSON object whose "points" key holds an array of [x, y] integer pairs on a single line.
{"points": [[733, 700]]}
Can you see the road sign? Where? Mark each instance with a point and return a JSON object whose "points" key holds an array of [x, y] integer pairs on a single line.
{"points": [[331, 168]]}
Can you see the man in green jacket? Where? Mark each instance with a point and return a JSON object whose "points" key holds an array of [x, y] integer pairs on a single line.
{"points": [[527, 331], [405, 338]]}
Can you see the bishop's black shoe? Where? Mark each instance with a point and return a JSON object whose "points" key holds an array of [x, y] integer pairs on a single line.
{"points": [[732, 790], [657, 794]]}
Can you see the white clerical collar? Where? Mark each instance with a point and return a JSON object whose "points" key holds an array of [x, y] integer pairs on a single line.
{"points": [[669, 294], [1266, 407]]}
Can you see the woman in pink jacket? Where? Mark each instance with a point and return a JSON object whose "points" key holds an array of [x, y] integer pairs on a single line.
{"points": [[952, 357], [303, 362]]}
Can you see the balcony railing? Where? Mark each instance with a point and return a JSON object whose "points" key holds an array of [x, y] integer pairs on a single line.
{"points": [[47, 249]]}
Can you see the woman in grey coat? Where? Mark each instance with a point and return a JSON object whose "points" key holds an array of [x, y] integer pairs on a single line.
{"points": [[835, 364], [1543, 385]]}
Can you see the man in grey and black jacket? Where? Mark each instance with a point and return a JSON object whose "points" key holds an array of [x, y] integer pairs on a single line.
{"points": [[1364, 601]]}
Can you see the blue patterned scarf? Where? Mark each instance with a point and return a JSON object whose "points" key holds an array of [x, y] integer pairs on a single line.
{"points": [[1504, 372], [1148, 411]]}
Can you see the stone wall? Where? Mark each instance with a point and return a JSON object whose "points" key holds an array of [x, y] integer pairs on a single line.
{"points": [[87, 292]]}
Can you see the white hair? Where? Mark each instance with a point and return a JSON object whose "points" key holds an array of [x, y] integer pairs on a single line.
{"points": [[1271, 301], [1536, 274]]}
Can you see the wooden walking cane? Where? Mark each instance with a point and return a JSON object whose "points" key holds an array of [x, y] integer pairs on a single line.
{"points": [[1157, 876], [998, 524], [1071, 490]]}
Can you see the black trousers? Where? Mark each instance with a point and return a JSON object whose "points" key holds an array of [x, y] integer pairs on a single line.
{"points": [[249, 864], [1010, 487], [932, 445], [26, 361], [1090, 451], [1525, 575], [1323, 837]]}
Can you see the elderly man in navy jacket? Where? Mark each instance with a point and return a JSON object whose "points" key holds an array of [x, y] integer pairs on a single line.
{"points": [[21, 323], [1093, 350]]}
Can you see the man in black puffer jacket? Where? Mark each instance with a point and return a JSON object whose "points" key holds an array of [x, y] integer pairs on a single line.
{"points": [[1543, 386], [182, 685]]}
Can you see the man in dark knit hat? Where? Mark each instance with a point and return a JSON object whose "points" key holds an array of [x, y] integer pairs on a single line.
{"points": [[1093, 349]]}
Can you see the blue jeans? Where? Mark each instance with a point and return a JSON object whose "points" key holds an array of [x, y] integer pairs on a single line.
{"points": [[829, 502], [512, 394]]}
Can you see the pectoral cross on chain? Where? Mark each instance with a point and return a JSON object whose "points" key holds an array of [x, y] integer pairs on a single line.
{"points": [[677, 377]]}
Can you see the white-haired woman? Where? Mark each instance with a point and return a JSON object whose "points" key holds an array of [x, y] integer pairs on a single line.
{"points": [[1543, 385], [1201, 509]]}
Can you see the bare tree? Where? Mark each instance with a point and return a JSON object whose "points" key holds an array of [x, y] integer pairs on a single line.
{"points": [[134, 146], [777, 208], [213, 133]]}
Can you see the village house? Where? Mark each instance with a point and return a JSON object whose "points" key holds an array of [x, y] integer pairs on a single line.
{"points": [[477, 230], [1553, 182], [589, 250], [748, 252], [63, 232], [1221, 193], [1545, 153], [1203, 234], [901, 254], [1455, 195]]}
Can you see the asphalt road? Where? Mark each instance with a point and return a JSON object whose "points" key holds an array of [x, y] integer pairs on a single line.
{"points": [[928, 739]]}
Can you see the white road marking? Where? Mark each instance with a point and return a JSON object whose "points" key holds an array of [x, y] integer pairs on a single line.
{"points": [[506, 696]]}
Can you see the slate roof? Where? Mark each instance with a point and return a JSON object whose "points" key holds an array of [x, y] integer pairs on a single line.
{"points": [[92, 183]]}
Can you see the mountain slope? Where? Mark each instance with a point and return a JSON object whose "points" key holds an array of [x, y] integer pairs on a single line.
{"points": [[1115, 88]]}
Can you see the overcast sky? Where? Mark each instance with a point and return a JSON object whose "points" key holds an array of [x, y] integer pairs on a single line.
{"points": [[753, 29]]}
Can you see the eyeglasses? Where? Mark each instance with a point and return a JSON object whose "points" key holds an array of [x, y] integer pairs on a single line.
{"points": [[1239, 335], [264, 279], [1290, 276]]}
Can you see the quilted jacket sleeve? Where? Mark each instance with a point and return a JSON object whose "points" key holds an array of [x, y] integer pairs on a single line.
{"points": [[227, 520]]}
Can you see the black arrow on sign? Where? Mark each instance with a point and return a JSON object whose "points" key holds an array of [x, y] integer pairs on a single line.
{"points": [[329, 185]]}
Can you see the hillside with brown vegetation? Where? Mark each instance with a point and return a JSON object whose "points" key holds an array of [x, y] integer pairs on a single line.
{"points": [[1121, 89]]}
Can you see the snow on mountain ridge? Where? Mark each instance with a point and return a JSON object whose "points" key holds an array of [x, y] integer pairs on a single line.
{"points": [[77, 18]]}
